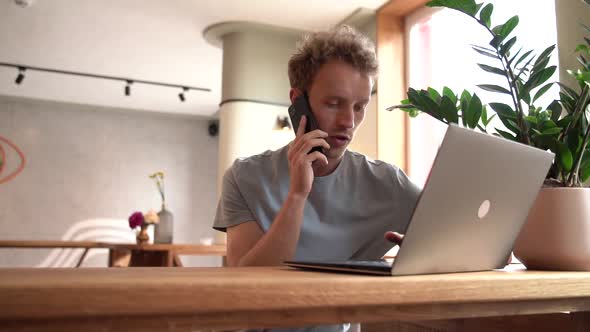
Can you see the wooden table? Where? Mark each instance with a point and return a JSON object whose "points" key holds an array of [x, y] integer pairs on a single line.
{"points": [[127, 254], [191, 299]]}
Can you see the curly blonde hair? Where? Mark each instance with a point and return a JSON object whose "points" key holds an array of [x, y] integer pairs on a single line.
{"points": [[341, 43]]}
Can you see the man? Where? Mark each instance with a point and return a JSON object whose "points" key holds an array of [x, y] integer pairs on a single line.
{"points": [[292, 204]]}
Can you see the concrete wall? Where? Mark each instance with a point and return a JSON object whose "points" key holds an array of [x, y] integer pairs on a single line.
{"points": [[87, 170]]}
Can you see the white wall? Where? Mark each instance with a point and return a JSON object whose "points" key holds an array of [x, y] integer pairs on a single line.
{"points": [[86, 163]]}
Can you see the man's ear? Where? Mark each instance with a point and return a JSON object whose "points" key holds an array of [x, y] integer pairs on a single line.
{"points": [[293, 94]]}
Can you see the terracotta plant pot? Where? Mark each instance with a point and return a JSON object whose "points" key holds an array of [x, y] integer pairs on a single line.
{"points": [[556, 235]]}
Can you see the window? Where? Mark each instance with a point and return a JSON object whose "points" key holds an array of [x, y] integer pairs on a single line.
{"points": [[439, 54]]}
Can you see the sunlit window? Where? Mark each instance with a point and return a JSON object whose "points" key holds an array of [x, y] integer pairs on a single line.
{"points": [[440, 55]]}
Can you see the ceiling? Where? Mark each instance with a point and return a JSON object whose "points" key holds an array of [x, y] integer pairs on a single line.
{"points": [[154, 40]]}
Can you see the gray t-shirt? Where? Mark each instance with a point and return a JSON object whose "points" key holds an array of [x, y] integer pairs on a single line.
{"points": [[345, 215]]}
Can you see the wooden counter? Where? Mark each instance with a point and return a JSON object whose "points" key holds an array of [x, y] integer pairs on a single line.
{"points": [[125, 254], [188, 299]]}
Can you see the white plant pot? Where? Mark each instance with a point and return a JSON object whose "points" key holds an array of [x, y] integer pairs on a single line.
{"points": [[556, 235]]}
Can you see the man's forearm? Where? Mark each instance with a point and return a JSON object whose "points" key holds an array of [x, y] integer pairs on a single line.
{"points": [[280, 241]]}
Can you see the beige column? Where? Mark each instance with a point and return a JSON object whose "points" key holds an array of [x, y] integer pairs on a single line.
{"points": [[569, 15], [255, 90], [365, 139]]}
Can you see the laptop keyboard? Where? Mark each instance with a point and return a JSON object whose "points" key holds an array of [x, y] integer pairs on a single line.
{"points": [[373, 262]]}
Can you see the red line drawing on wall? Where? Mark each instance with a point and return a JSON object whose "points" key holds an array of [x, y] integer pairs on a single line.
{"points": [[4, 179]]}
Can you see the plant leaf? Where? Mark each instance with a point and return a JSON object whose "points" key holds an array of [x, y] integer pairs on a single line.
{"points": [[545, 54], [484, 116], [496, 41], [565, 156], [585, 170], [564, 122], [574, 140], [524, 68], [506, 115], [467, 6], [449, 93], [424, 103], [551, 131], [503, 110], [475, 109], [486, 14], [465, 99], [531, 119], [488, 54], [434, 95], [524, 56], [490, 118], [568, 103], [505, 48], [493, 88], [505, 29], [478, 7], [539, 65], [491, 69], [401, 107], [544, 75], [555, 109], [483, 48], [542, 91], [569, 91], [583, 62], [449, 110], [505, 134], [537, 79], [514, 56]]}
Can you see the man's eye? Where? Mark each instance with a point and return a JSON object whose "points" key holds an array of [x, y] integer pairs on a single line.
{"points": [[359, 108]]}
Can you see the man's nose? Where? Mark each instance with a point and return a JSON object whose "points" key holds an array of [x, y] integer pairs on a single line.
{"points": [[346, 117]]}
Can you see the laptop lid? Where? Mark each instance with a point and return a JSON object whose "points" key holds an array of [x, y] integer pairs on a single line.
{"points": [[475, 201]]}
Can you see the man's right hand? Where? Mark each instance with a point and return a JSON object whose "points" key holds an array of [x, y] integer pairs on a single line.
{"points": [[300, 160], [395, 237]]}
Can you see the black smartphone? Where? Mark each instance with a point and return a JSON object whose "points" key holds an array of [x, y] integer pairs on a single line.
{"points": [[299, 108]]}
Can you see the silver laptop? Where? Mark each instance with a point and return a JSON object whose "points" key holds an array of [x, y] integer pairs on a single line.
{"points": [[475, 201]]}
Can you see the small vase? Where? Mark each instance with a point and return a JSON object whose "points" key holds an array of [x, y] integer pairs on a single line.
{"points": [[143, 237], [165, 228]]}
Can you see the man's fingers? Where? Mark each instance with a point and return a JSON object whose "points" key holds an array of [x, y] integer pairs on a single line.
{"points": [[394, 237], [309, 140], [315, 156], [315, 142], [301, 128]]}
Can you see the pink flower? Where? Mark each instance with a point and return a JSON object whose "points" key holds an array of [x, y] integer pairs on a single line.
{"points": [[136, 219]]}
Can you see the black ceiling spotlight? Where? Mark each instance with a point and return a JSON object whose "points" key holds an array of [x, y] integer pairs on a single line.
{"points": [[181, 95], [21, 75], [128, 88], [213, 128]]}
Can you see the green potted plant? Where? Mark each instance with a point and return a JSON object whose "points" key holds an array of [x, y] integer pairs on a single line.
{"points": [[557, 232]]}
